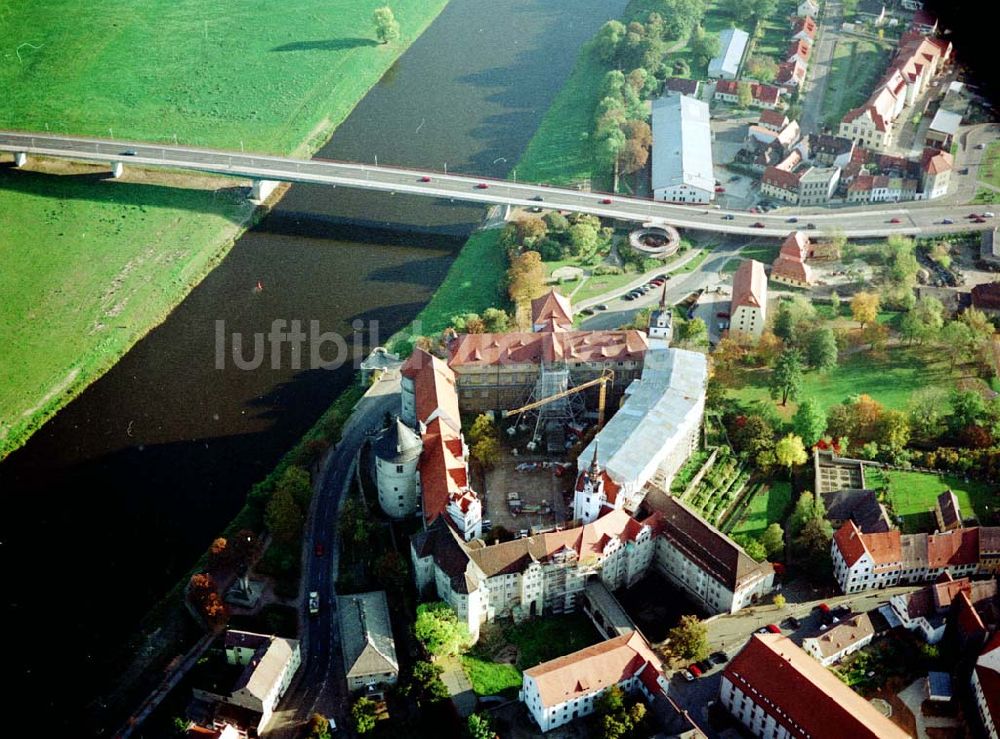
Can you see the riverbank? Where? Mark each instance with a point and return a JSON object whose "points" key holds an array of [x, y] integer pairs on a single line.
{"points": [[91, 266]]}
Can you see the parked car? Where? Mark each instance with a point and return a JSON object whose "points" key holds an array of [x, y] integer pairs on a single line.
{"points": [[313, 603], [762, 630], [686, 674], [319, 549], [720, 188], [722, 314], [980, 146], [587, 312], [841, 611], [694, 670], [602, 306], [793, 623], [773, 629], [720, 658], [811, 226], [989, 214], [979, 220], [706, 665]]}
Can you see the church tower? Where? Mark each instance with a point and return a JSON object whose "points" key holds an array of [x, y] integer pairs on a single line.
{"points": [[589, 496], [661, 320]]}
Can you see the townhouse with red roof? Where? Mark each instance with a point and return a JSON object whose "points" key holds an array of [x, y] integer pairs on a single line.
{"points": [[775, 689], [748, 307], [790, 265]]}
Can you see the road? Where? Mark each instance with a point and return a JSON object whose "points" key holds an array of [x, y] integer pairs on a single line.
{"points": [[730, 632], [822, 61], [872, 221], [321, 685], [706, 276]]}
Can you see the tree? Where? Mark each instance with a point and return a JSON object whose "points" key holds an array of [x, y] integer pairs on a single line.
{"points": [[779, 600], [386, 25], [297, 482], [608, 40], [689, 638], [762, 68], [752, 435], [809, 422], [218, 554], [744, 95], [786, 377], [680, 16], [784, 322], [813, 545], [526, 277], [482, 428], [556, 222], [363, 714], [283, 517], [391, 570], [751, 546], [967, 409], [893, 430], [703, 46], [875, 335], [479, 726], [805, 509], [205, 596], [864, 307], [790, 452], [821, 349], [835, 303], [694, 331], [928, 407], [318, 727], [437, 627], [424, 683], [487, 452], [583, 238], [496, 320], [354, 523], [773, 539]]}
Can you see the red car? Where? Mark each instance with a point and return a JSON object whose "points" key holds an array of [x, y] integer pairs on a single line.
{"points": [[823, 608], [773, 629], [753, 210], [979, 220], [605, 201], [758, 224], [894, 220], [694, 670], [720, 188], [425, 178], [482, 186], [320, 550], [973, 215]]}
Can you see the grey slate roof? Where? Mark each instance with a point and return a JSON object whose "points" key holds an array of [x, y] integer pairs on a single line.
{"points": [[366, 634], [398, 444], [860, 506]]}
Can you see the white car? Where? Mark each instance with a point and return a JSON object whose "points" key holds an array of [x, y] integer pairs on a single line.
{"points": [[989, 214], [313, 603]]}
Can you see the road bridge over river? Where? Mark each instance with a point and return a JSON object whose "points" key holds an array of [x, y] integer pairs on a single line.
{"points": [[923, 218]]}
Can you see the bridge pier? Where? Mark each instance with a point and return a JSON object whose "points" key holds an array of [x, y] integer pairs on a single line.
{"points": [[262, 190], [20, 158], [117, 169]]}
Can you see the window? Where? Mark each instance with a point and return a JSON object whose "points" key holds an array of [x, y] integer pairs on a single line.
{"points": [[399, 468]]}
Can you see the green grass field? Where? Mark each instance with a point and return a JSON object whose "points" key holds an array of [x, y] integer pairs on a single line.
{"points": [[90, 267], [913, 496], [989, 170], [857, 64], [765, 253], [273, 75], [890, 380], [537, 641], [770, 504]]}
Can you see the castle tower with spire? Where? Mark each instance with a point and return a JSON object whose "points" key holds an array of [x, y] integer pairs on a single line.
{"points": [[594, 491], [661, 322]]}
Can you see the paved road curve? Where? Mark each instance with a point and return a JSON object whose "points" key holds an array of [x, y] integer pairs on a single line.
{"points": [[856, 222]]}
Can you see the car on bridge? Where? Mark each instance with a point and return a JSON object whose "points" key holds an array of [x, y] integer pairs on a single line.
{"points": [[758, 224], [425, 178], [313, 603], [894, 220], [605, 201], [946, 222], [793, 219], [728, 217], [482, 186], [128, 153]]}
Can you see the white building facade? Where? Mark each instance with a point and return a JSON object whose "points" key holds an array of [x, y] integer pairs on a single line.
{"points": [[682, 151]]}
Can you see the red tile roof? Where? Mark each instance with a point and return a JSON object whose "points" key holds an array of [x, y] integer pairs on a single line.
{"points": [[434, 387], [611, 488], [883, 547], [551, 312], [969, 621], [806, 24], [780, 178], [800, 49], [442, 469], [988, 672], [773, 119], [726, 87], [534, 348], [683, 86], [593, 669], [812, 701], [767, 94], [953, 549], [749, 285], [986, 296], [936, 162]]}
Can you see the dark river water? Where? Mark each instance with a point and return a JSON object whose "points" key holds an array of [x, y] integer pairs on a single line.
{"points": [[113, 499]]}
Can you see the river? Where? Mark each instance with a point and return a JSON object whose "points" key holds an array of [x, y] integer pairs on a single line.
{"points": [[114, 498]]}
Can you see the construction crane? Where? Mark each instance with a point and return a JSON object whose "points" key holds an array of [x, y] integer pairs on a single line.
{"points": [[606, 377]]}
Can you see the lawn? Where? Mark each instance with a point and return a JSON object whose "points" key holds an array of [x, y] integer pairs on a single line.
{"points": [[856, 67], [989, 170], [272, 75], [536, 641], [890, 379], [913, 495], [770, 503], [765, 253], [89, 268]]}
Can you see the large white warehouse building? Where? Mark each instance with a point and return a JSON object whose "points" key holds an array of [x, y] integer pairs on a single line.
{"points": [[682, 150]]}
